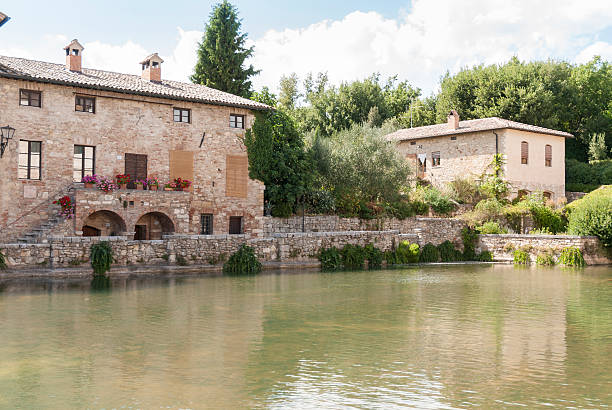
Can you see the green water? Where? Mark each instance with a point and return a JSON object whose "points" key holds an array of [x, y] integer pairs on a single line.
{"points": [[432, 337]]}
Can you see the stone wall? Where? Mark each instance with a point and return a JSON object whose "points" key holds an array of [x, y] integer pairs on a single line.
{"points": [[573, 196], [195, 249], [428, 230], [503, 246]]}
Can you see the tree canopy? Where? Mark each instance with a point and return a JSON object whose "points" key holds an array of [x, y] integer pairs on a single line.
{"points": [[222, 53]]}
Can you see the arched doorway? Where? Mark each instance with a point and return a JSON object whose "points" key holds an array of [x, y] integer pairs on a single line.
{"points": [[103, 223], [152, 226], [522, 194]]}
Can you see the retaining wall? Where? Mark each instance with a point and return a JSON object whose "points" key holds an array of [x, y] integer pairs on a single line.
{"points": [[503, 246], [428, 230]]}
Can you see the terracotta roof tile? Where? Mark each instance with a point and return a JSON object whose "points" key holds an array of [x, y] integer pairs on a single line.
{"points": [[41, 71], [484, 124]]}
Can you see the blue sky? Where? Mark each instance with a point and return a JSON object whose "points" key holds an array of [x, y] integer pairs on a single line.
{"points": [[418, 40]]}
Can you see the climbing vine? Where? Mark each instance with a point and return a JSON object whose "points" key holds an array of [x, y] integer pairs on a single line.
{"points": [[101, 257]]}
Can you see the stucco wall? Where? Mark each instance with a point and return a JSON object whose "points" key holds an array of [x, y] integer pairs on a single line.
{"points": [[534, 176], [121, 124]]}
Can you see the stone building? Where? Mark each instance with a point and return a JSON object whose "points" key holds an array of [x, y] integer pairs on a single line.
{"points": [[71, 121], [534, 156]]}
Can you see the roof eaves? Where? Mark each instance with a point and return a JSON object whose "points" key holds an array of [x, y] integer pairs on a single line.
{"points": [[131, 92]]}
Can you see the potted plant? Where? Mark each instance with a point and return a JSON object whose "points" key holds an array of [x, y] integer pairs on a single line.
{"points": [[168, 187], [140, 184], [106, 184], [89, 181], [122, 180], [67, 210], [181, 184], [153, 183]]}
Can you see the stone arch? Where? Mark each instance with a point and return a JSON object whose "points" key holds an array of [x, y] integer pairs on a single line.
{"points": [[103, 223], [152, 226]]}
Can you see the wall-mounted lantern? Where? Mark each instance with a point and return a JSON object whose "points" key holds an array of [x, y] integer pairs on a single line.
{"points": [[6, 134]]}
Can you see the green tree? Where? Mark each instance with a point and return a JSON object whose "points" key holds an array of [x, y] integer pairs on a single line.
{"points": [[222, 53], [597, 147], [289, 93], [278, 159]]}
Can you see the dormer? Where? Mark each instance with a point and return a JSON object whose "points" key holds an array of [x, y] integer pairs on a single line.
{"points": [[151, 68], [74, 52]]}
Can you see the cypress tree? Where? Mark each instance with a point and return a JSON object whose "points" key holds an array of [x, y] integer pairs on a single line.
{"points": [[222, 53]]}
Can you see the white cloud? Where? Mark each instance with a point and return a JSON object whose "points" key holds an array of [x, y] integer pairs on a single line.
{"points": [[599, 48], [419, 45]]}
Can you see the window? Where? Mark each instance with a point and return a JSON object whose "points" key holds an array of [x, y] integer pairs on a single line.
{"points": [[524, 152], [236, 176], [207, 224], [235, 225], [421, 165], [84, 162], [29, 159], [412, 142], [435, 159], [547, 195], [29, 98], [548, 155], [85, 104], [453, 138], [182, 115], [236, 121]]}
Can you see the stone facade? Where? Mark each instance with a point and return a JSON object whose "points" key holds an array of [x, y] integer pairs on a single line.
{"points": [[122, 123], [467, 155], [502, 246], [427, 230]]}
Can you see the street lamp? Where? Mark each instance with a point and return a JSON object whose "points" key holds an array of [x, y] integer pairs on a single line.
{"points": [[6, 134], [3, 18]]}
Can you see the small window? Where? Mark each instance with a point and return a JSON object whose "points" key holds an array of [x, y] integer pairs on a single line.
{"points": [[85, 104], [524, 152], [453, 138], [435, 159], [412, 142], [548, 155], [235, 225], [29, 160], [182, 115], [30, 98], [236, 121], [207, 224], [84, 162]]}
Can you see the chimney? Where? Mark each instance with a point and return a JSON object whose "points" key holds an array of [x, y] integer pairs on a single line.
{"points": [[453, 120], [151, 68], [74, 51]]}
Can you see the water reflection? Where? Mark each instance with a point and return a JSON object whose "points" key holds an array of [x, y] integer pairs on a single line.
{"points": [[439, 337]]}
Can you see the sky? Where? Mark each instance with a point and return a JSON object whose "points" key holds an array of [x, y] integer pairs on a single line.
{"points": [[418, 40]]}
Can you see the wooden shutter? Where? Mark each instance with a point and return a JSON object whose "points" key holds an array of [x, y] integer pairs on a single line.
{"points": [[548, 155], [135, 167], [181, 165], [524, 152], [237, 168]]}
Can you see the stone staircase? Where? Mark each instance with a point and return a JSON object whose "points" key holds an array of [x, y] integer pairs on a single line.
{"points": [[40, 234]]}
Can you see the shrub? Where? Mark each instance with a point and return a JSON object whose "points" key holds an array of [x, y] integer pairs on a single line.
{"points": [[593, 173], [447, 252], [181, 261], [484, 211], [545, 259], [353, 256], [465, 191], [282, 210], [429, 254], [420, 207], [592, 215], [406, 252], [485, 256], [374, 256], [576, 187], [572, 256], [402, 209], [2, 261], [491, 228], [101, 257], [469, 237], [330, 259], [521, 257], [242, 262], [541, 231], [546, 217], [439, 203]]}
